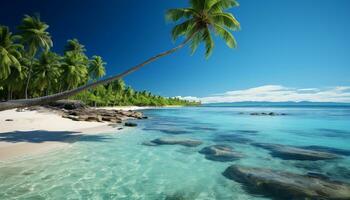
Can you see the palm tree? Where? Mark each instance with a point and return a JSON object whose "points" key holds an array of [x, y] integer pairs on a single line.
{"points": [[47, 71], [10, 52], [14, 82], [97, 68], [75, 71], [35, 36], [75, 46], [197, 23]]}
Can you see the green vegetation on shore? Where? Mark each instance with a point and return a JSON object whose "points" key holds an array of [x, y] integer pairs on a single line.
{"points": [[196, 24], [29, 69], [118, 94]]}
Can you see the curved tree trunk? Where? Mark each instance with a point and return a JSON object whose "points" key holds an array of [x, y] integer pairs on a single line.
{"points": [[21, 103]]}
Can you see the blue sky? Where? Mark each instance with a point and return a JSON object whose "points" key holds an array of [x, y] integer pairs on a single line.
{"points": [[294, 44]]}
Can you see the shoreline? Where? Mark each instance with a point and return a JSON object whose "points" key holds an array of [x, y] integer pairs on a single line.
{"points": [[31, 133]]}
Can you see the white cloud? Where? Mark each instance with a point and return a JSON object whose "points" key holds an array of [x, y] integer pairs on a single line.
{"points": [[278, 93]]}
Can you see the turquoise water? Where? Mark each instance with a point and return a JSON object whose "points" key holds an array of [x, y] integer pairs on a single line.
{"points": [[120, 167]]}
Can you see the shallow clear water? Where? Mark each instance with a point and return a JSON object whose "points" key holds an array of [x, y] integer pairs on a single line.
{"points": [[120, 167]]}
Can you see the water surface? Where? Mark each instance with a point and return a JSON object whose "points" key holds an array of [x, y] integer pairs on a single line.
{"points": [[120, 167]]}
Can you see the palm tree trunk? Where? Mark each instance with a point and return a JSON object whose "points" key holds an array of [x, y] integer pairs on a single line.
{"points": [[21, 103], [27, 85], [8, 92], [29, 77]]}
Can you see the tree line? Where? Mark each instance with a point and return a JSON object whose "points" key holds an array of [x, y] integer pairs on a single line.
{"points": [[196, 24], [29, 69]]}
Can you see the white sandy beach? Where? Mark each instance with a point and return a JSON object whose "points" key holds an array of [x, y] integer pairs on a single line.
{"points": [[31, 133]]}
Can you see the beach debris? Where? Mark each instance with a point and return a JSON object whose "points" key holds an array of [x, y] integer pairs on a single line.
{"points": [[8, 120], [286, 185], [130, 124], [174, 141], [295, 153], [19, 110], [222, 153]]}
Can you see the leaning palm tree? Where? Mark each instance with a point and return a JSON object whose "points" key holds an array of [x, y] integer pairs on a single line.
{"points": [[35, 36], [10, 52], [196, 25], [97, 68]]}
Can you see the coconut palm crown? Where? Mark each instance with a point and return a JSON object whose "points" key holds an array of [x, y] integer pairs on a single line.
{"points": [[34, 34], [10, 52], [97, 68], [201, 19]]}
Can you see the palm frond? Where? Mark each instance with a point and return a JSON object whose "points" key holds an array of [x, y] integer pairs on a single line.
{"points": [[227, 20], [195, 42], [179, 13], [221, 5], [182, 29], [197, 5], [209, 43], [226, 36]]}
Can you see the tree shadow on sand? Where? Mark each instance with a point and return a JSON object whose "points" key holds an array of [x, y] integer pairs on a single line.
{"points": [[39, 136]]}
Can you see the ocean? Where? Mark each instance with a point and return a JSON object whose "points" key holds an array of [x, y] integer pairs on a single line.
{"points": [[124, 165]]}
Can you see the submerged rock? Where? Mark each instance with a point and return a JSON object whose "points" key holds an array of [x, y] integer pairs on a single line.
{"points": [[246, 132], [285, 185], [317, 175], [130, 124], [328, 149], [295, 153], [149, 143], [222, 153], [266, 114], [175, 131], [199, 128], [232, 138], [167, 130], [177, 141]]}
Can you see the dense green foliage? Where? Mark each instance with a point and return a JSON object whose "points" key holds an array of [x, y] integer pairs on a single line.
{"points": [[117, 94], [29, 68]]}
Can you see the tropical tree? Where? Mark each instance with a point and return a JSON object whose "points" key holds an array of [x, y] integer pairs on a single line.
{"points": [[96, 68], [46, 71], [196, 25], [75, 46], [10, 52], [14, 82], [119, 85], [35, 37], [75, 71]]}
